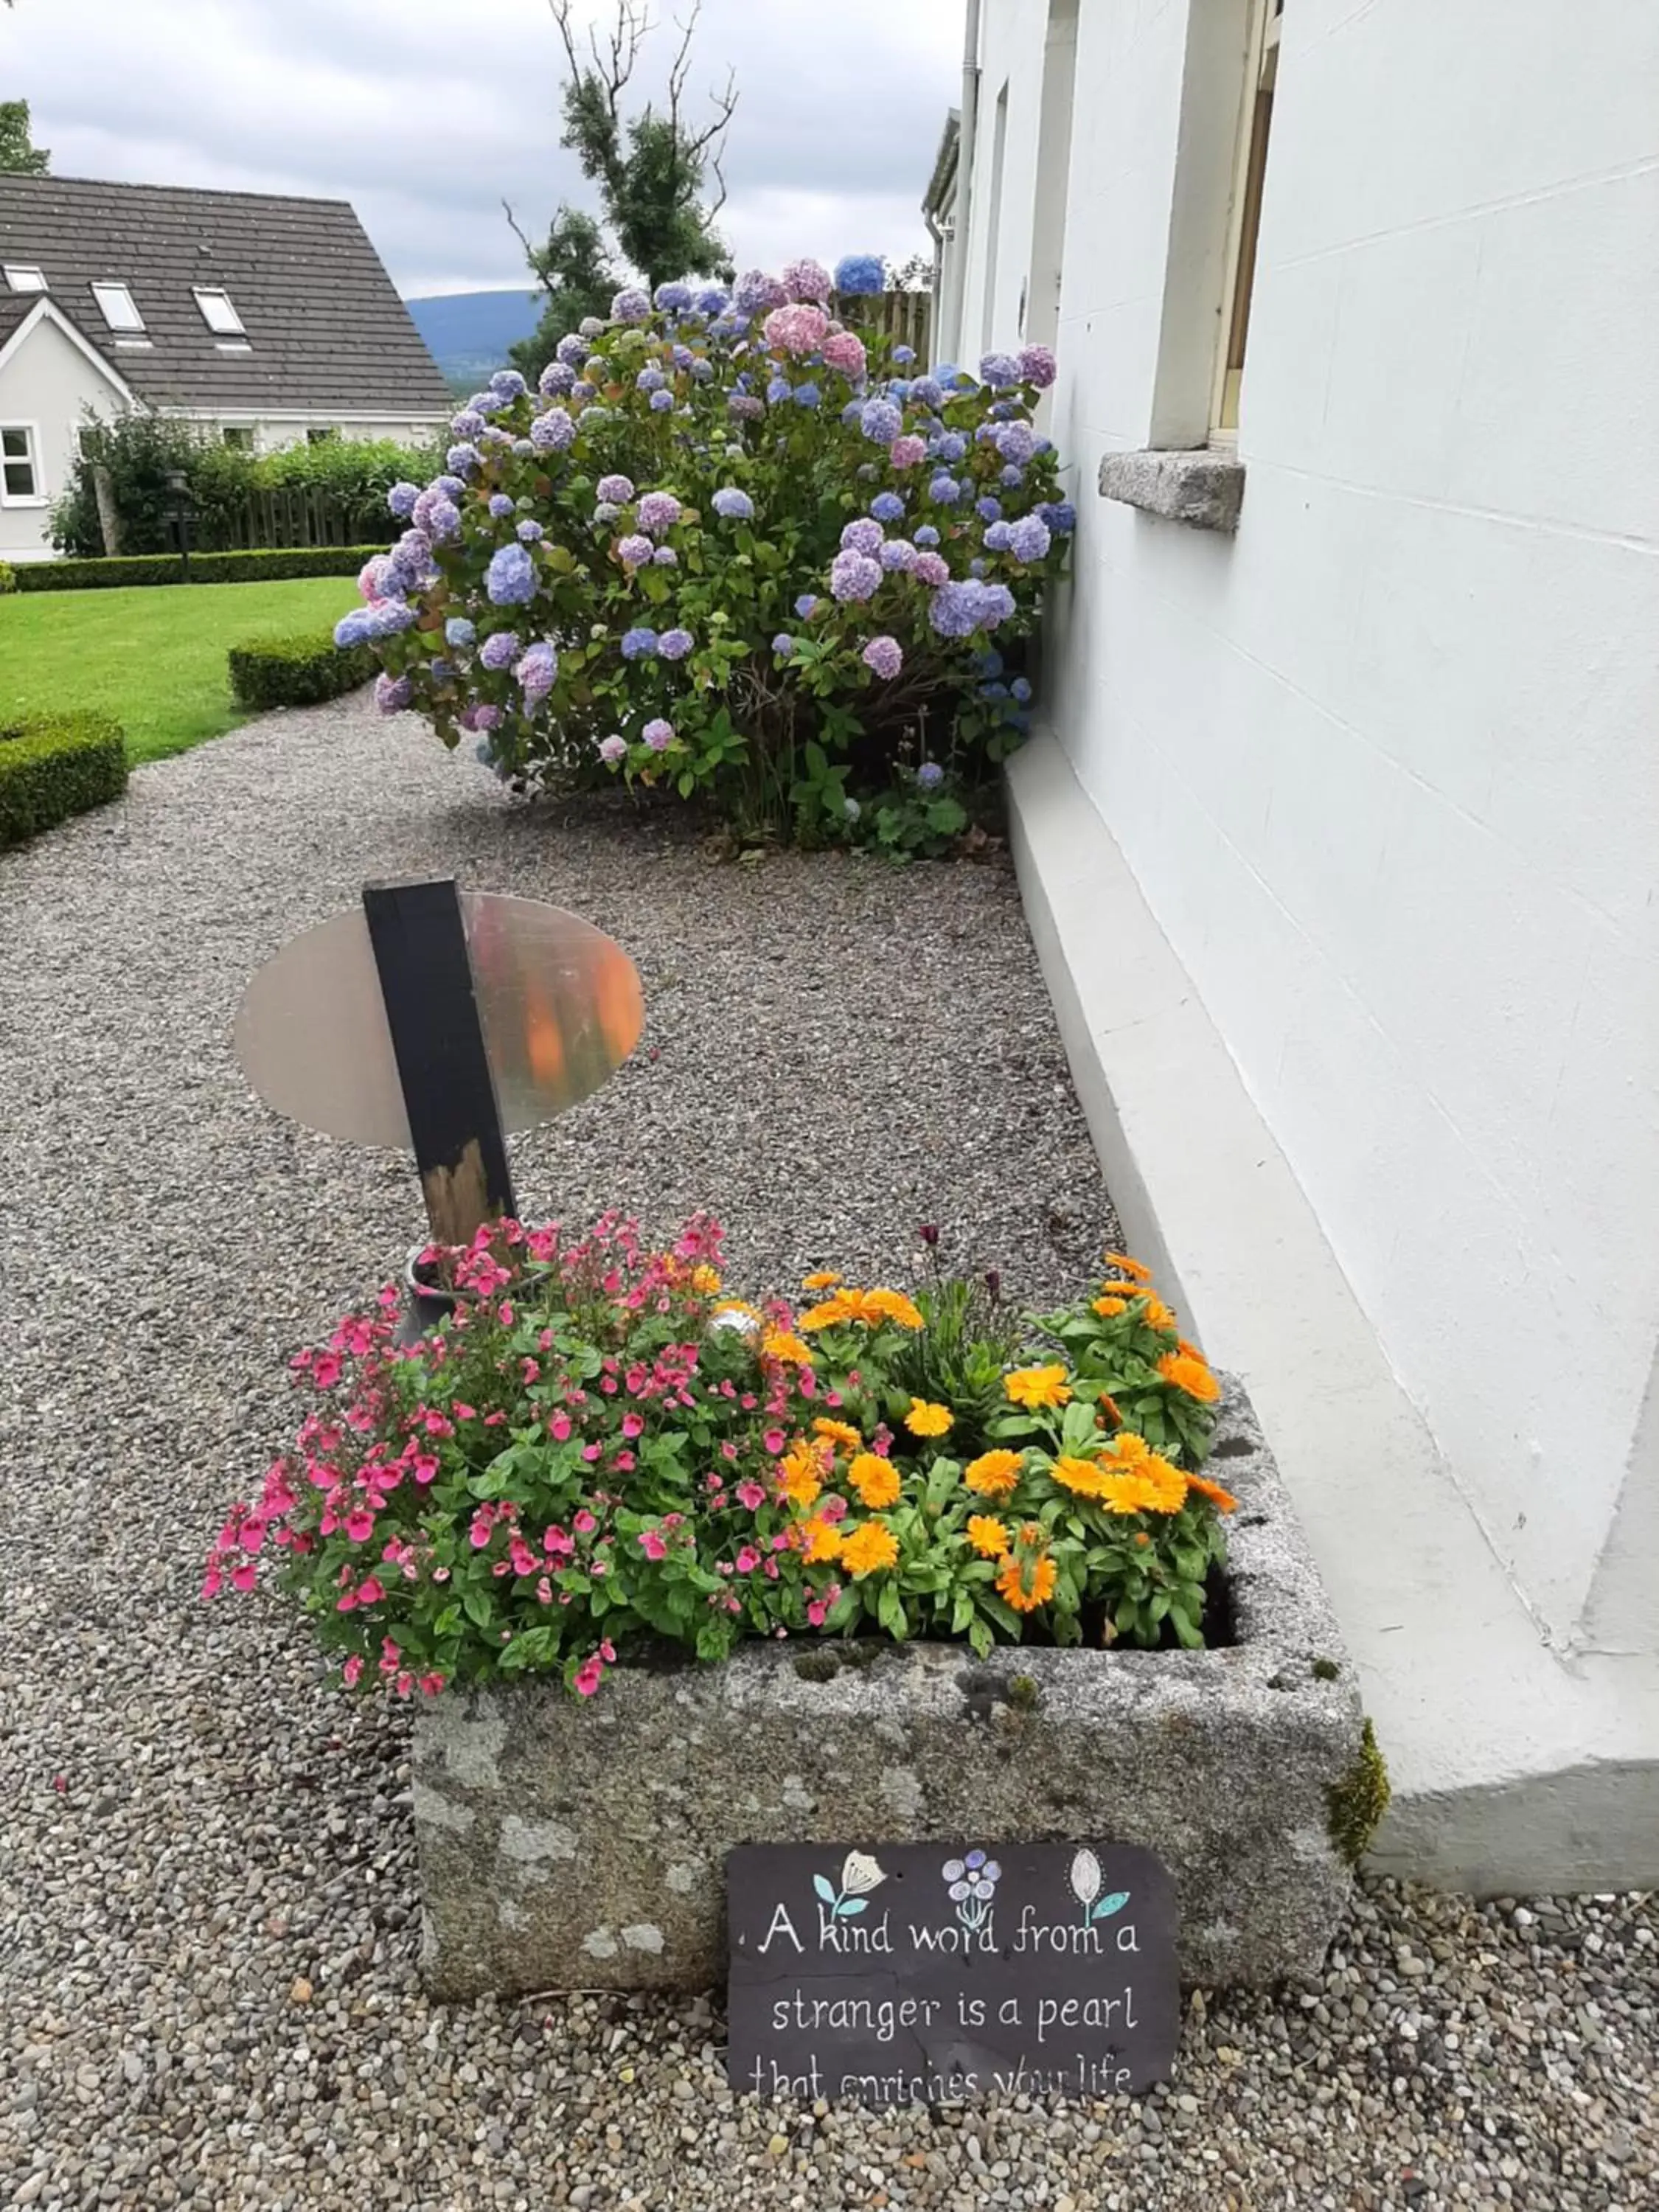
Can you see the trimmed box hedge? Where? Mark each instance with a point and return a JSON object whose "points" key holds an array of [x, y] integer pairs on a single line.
{"points": [[270, 565], [296, 671], [53, 766]]}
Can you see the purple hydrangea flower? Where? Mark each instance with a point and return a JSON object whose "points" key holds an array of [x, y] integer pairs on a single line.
{"points": [[859, 274], [639, 644], [887, 507], [929, 776], [353, 629], [1060, 516], [862, 535], [497, 440], [451, 487], [661, 402], [755, 291], [664, 557], [631, 306], [673, 299], [881, 421], [745, 406], [461, 460], [711, 300], [482, 717], [884, 656], [440, 518], [553, 432], [508, 383], [390, 617], [392, 693], [510, 579], [927, 390], [658, 511], [931, 568], [1017, 442], [1030, 539], [530, 531], [1011, 477], [402, 497], [926, 535], [618, 489], [572, 350], [988, 509], [556, 380], [998, 604], [944, 490], [612, 750], [1036, 366], [582, 390], [954, 611], [806, 280], [701, 370], [500, 651], [783, 644], [950, 446], [1020, 689], [499, 506], [537, 670], [904, 356], [778, 391], [733, 505], [651, 378], [805, 603], [674, 644], [635, 551], [999, 538], [657, 734], [853, 575], [897, 553], [468, 423]]}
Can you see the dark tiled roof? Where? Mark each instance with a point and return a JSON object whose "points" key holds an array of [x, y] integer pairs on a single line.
{"points": [[326, 328]]}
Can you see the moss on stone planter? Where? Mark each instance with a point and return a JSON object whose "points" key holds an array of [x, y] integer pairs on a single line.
{"points": [[1359, 1800]]}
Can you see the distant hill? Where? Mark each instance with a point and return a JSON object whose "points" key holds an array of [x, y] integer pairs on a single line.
{"points": [[468, 333]]}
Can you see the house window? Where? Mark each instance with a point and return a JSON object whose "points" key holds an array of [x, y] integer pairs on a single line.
{"points": [[24, 276], [322, 433], [218, 312], [118, 306], [20, 466], [1256, 120], [239, 435]]}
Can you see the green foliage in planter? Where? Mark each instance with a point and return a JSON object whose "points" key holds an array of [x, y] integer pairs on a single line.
{"points": [[268, 566], [600, 1452], [1359, 1800], [53, 766], [295, 671]]}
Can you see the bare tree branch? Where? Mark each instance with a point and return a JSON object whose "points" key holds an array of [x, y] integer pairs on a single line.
{"points": [[725, 104], [518, 232], [719, 202]]}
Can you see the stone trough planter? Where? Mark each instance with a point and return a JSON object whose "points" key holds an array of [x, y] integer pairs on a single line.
{"points": [[564, 1845]]}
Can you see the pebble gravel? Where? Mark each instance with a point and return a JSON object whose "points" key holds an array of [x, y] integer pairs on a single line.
{"points": [[207, 1985]]}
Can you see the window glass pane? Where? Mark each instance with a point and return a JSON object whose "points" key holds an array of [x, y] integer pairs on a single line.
{"points": [[118, 306], [14, 444], [23, 276], [18, 479], [218, 311]]}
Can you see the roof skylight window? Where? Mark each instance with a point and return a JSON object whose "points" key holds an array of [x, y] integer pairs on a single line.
{"points": [[24, 276], [218, 310], [118, 306]]}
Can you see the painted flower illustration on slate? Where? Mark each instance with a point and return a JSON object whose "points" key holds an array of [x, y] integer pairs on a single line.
{"points": [[860, 1874], [1086, 1877], [972, 1880]]}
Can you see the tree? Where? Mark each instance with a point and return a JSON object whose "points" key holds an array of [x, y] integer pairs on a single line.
{"points": [[650, 169], [17, 154]]}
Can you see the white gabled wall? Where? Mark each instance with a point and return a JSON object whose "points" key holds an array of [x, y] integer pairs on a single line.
{"points": [[48, 381], [1385, 764]]}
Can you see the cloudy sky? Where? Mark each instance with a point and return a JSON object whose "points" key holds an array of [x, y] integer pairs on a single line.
{"points": [[426, 113]]}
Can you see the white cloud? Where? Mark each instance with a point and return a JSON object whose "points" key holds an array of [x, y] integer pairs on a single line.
{"points": [[426, 114]]}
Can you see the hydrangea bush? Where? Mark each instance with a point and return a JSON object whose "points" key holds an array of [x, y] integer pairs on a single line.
{"points": [[733, 546], [600, 1449]]}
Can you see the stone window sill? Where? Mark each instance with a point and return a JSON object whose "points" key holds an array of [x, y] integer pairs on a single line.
{"points": [[1202, 487]]}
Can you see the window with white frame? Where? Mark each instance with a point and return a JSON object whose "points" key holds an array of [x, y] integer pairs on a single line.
{"points": [[20, 466], [1250, 169], [218, 310], [239, 435], [118, 306], [24, 276]]}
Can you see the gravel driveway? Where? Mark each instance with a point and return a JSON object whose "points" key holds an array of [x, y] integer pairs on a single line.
{"points": [[207, 1982]]}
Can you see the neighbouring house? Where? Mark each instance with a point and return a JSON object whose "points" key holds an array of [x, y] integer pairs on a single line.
{"points": [[1341, 843], [269, 320]]}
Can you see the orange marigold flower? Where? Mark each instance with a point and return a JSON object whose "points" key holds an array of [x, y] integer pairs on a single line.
{"points": [[875, 1478], [1125, 1493], [1110, 1309], [784, 1346], [1128, 1449], [1026, 1583], [823, 1278], [800, 1473], [987, 1535], [993, 1474], [1155, 1313], [837, 1432], [894, 1306], [1033, 1386], [1191, 1350], [738, 1306], [705, 1279], [1223, 1500], [821, 1539], [924, 1419], [1084, 1478], [839, 1307], [1152, 1485], [1126, 1266], [1190, 1375], [1033, 1534], [871, 1547]]}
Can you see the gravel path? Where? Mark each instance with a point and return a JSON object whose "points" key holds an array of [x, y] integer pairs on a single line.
{"points": [[207, 1983]]}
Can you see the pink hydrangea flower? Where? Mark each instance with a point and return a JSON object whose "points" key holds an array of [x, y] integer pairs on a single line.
{"points": [[798, 330], [884, 656], [906, 451], [844, 349], [808, 280]]}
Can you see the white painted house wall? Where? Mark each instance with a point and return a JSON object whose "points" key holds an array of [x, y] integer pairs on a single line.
{"points": [[47, 381], [1386, 763]]}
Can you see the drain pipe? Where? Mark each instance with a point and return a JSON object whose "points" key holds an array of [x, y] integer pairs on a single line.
{"points": [[965, 145]]}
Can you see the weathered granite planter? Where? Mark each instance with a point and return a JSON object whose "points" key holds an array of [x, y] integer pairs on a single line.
{"points": [[565, 1845]]}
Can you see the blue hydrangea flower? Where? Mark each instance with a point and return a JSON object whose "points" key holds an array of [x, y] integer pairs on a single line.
{"points": [[675, 644], [468, 423], [674, 298], [451, 487], [929, 776], [499, 506], [508, 384], [639, 644], [998, 538], [460, 632], [486, 403], [353, 629], [500, 651], [510, 579], [1017, 442], [805, 604], [951, 446], [661, 402], [904, 356], [631, 306], [1020, 689], [755, 291], [806, 395], [1011, 477], [881, 422], [783, 644], [988, 663], [926, 392], [572, 350], [887, 507], [778, 391], [440, 672], [651, 378], [402, 497], [733, 505], [897, 553], [1060, 516], [976, 568], [530, 531], [1030, 538], [460, 460], [554, 432], [926, 535], [440, 518], [993, 691], [860, 274], [702, 371], [988, 509], [581, 389], [852, 411], [664, 557], [711, 300], [944, 490]]}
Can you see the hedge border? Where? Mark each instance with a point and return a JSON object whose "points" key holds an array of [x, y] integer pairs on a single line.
{"points": [[53, 766], [269, 564], [301, 671]]}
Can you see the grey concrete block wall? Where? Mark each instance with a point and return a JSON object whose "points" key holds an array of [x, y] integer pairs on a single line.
{"points": [[573, 1844]]}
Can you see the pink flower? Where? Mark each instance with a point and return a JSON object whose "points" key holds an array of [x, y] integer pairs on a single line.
{"points": [[556, 1543], [751, 1494], [633, 1425], [430, 1685], [905, 453], [543, 1592], [652, 1545], [558, 1426], [818, 1611], [464, 1413], [844, 350], [589, 1675], [797, 330], [212, 1583], [583, 1522], [608, 1652], [424, 1466], [624, 1462], [480, 1529], [360, 1525], [325, 1370], [370, 1593], [404, 1685], [244, 1577], [525, 1561], [351, 1671], [748, 1559], [592, 1452], [774, 1440]]}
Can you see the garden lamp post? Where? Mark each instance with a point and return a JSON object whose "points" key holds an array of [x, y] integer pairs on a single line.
{"points": [[180, 514]]}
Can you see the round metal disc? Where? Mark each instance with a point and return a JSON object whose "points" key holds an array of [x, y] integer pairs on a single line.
{"points": [[559, 1003]]}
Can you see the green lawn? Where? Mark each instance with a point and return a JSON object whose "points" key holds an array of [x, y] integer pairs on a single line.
{"points": [[153, 657]]}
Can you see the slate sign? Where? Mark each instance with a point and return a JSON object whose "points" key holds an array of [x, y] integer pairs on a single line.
{"points": [[888, 1973]]}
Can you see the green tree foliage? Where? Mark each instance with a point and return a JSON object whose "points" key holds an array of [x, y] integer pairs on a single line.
{"points": [[19, 156], [651, 170]]}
